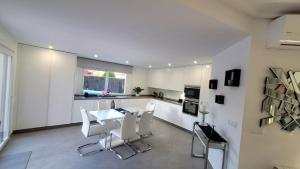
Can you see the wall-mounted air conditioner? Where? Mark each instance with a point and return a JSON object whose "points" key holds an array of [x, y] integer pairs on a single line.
{"points": [[284, 32]]}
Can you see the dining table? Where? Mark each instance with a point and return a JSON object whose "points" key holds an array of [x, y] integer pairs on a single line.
{"points": [[114, 114]]}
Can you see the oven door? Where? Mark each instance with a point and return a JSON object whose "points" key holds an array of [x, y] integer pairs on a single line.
{"points": [[190, 107], [192, 93]]}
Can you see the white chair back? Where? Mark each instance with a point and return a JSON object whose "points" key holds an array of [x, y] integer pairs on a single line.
{"points": [[128, 126], [112, 104], [145, 123], [150, 106], [85, 122]]}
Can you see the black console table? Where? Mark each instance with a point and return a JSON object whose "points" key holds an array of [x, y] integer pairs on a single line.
{"points": [[210, 139]]}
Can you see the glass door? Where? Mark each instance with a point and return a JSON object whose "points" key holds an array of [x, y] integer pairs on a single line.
{"points": [[5, 96]]}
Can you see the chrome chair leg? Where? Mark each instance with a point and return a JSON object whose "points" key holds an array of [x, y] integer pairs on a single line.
{"points": [[90, 144], [121, 156], [145, 146]]}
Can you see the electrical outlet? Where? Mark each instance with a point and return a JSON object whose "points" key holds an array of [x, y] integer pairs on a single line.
{"points": [[232, 123]]}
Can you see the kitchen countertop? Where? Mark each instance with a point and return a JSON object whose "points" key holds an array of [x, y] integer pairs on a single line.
{"points": [[168, 100]]}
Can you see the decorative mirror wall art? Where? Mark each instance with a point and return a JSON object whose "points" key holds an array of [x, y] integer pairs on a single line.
{"points": [[282, 99]]}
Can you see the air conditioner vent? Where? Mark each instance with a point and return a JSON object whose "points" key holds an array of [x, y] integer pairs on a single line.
{"points": [[284, 32]]}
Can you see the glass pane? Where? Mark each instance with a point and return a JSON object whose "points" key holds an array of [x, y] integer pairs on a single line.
{"points": [[2, 80], [116, 82], [5, 89], [94, 81]]}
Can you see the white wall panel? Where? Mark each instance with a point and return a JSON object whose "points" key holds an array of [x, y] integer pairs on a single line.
{"points": [[34, 71], [61, 88]]}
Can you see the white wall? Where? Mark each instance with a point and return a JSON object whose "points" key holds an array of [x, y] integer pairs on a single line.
{"points": [[264, 147], [228, 117], [7, 40], [138, 77]]}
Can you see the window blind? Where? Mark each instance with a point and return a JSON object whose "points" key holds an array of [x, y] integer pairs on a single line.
{"points": [[103, 65]]}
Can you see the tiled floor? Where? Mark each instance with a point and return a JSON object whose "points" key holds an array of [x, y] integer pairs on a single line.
{"points": [[56, 149]]}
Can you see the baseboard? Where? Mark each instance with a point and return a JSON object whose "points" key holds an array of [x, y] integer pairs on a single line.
{"points": [[47, 128], [80, 123], [174, 125]]}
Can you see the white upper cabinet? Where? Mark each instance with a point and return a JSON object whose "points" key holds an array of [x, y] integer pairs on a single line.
{"points": [[176, 78], [170, 79], [33, 74], [61, 88]]}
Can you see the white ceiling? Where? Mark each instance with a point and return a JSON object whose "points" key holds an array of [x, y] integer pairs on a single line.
{"points": [[266, 8], [155, 32]]}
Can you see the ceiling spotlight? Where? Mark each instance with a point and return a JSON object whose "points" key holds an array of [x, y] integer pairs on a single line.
{"points": [[127, 61], [195, 62], [169, 64], [150, 66], [95, 55], [50, 47]]}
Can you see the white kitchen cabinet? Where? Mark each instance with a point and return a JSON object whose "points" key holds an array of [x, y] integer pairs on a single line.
{"points": [[45, 89], [170, 79], [173, 113], [176, 78], [193, 75], [61, 88], [33, 87], [141, 103]]}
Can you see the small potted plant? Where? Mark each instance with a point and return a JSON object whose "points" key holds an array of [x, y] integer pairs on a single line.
{"points": [[137, 91]]}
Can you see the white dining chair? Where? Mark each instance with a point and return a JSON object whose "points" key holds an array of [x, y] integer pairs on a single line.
{"points": [[111, 124], [89, 130], [126, 133], [144, 130], [114, 103], [150, 106]]}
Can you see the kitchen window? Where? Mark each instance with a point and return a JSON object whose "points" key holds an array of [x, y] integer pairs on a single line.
{"points": [[100, 82]]}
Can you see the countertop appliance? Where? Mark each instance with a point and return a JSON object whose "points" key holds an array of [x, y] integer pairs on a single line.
{"points": [[192, 92], [191, 101]]}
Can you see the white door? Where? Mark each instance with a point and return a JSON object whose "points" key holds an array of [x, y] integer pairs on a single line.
{"points": [[5, 97]]}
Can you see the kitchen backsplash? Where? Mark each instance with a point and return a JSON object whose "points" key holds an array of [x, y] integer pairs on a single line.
{"points": [[172, 94]]}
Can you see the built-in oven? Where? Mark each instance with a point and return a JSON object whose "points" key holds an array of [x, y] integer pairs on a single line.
{"points": [[190, 107], [191, 101], [192, 92]]}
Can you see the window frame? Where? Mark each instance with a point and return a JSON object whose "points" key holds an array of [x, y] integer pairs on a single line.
{"points": [[107, 81]]}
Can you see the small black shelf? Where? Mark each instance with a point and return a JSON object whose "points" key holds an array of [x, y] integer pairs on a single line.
{"points": [[232, 77], [219, 99], [213, 84]]}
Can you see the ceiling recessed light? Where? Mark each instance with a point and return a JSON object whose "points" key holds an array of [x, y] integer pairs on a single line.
{"points": [[50, 47], [150, 66], [127, 61], [195, 62], [95, 55], [169, 64]]}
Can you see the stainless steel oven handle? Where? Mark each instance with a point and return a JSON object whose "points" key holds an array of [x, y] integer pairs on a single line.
{"points": [[191, 102]]}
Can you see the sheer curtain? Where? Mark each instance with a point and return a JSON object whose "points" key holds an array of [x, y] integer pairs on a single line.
{"points": [[5, 96]]}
